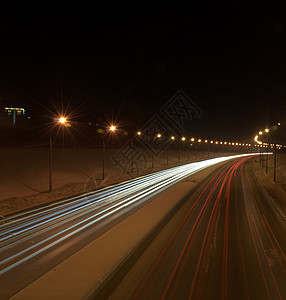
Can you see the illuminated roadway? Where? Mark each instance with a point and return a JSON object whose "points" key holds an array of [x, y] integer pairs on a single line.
{"points": [[35, 241], [226, 242]]}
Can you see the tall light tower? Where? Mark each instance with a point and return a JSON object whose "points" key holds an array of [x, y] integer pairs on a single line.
{"points": [[61, 121]]}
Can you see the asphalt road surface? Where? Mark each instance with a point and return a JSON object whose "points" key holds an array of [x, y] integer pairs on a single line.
{"points": [[33, 242], [228, 241]]}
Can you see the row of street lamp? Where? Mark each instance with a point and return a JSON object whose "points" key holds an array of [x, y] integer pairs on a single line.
{"points": [[200, 140], [63, 121], [112, 128], [272, 145]]}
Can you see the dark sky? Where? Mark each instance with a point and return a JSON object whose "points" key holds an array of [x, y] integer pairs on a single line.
{"points": [[230, 58]]}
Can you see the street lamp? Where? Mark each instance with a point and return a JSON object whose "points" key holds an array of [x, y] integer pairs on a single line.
{"points": [[61, 121], [158, 135], [172, 139], [274, 156], [267, 130], [112, 128], [179, 154]]}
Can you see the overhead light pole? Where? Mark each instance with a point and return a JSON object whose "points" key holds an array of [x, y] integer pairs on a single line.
{"points": [[266, 162], [158, 136], [267, 130], [112, 128], [167, 158], [179, 150], [61, 121], [274, 166]]}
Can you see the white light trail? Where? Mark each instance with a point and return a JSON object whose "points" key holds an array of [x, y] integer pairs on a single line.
{"points": [[96, 206]]}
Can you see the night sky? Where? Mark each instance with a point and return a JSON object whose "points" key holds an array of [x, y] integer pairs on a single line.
{"points": [[126, 62]]}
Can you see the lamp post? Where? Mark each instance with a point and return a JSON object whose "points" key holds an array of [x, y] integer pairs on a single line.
{"points": [[172, 139], [274, 163], [139, 133], [260, 152], [112, 128], [179, 152], [50, 160], [61, 121], [266, 162], [158, 135], [103, 157], [275, 150]]}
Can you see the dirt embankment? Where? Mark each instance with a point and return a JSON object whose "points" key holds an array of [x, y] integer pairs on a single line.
{"points": [[24, 173], [265, 172]]}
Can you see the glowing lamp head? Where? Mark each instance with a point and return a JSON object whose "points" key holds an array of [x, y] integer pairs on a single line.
{"points": [[62, 120], [112, 128]]}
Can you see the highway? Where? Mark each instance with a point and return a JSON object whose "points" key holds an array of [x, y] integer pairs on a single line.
{"points": [[34, 241], [226, 242]]}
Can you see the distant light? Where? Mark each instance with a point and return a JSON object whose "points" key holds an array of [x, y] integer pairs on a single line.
{"points": [[216, 142], [256, 140], [112, 128], [266, 130], [192, 139], [260, 132], [212, 142], [225, 143], [172, 137], [278, 123], [221, 143], [159, 135], [100, 130], [139, 133], [183, 138], [206, 141], [199, 140]]}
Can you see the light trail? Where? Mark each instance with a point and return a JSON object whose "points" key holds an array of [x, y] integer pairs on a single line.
{"points": [[60, 221], [213, 245]]}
